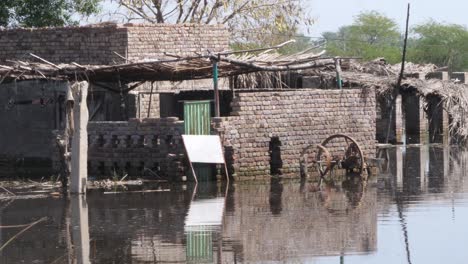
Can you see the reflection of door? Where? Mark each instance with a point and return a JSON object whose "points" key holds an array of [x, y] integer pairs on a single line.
{"points": [[197, 117]]}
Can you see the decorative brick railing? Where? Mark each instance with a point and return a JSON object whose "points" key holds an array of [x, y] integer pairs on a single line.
{"points": [[137, 145]]}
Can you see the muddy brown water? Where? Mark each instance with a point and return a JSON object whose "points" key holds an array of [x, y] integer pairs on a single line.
{"points": [[414, 211]]}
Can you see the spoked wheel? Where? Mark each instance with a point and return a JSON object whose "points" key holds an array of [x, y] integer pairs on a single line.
{"points": [[324, 161], [345, 151]]}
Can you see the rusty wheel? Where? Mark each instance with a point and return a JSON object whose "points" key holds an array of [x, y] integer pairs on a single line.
{"points": [[345, 151], [323, 161]]}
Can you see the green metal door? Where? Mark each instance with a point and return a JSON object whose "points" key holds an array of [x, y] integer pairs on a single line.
{"points": [[197, 117]]}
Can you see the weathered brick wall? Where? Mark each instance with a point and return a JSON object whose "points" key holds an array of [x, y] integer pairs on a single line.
{"points": [[151, 41], [97, 44], [84, 45], [153, 143], [144, 105], [298, 118]]}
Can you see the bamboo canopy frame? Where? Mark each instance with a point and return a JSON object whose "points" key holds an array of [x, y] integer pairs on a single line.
{"points": [[251, 65], [172, 68]]}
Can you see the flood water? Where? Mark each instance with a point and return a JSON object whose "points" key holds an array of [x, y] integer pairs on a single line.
{"points": [[414, 211]]}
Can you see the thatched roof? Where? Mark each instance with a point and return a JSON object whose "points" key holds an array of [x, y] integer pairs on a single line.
{"points": [[168, 69], [383, 78]]}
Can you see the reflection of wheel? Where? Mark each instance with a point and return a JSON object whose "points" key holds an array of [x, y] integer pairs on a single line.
{"points": [[345, 152]]}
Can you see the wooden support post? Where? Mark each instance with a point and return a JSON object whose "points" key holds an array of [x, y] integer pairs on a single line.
{"points": [[215, 86], [79, 170], [339, 81]]}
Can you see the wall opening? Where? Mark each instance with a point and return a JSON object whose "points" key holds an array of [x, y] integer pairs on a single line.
{"points": [[411, 117], [276, 163]]}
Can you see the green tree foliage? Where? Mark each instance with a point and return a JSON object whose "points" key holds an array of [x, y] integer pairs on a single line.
{"points": [[257, 21], [441, 44], [41, 13], [370, 36]]}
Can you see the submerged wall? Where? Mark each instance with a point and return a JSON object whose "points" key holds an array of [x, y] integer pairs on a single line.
{"points": [[272, 128], [130, 147]]}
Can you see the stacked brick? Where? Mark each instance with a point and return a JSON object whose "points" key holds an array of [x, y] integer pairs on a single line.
{"points": [[83, 45], [298, 119], [153, 41], [95, 45], [137, 145], [144, 105]]}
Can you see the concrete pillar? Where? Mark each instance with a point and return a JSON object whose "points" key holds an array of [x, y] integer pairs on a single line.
{"points": [[399, 121], [80, 228], [79, 163]]}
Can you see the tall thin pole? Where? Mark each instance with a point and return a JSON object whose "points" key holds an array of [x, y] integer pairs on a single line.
{"points": [[215, 86], [402, 72], [400, 77]]}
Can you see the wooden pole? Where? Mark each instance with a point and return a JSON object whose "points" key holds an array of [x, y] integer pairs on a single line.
{"points": [[79, 170], [400, 77], [150, 99], [338, 73], [215, 86]]}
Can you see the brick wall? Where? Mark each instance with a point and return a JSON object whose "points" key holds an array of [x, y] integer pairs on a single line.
{"points": [[151, 41], [96, 44], [84, 45], [131, 146], [298, 118], [143, 105]]}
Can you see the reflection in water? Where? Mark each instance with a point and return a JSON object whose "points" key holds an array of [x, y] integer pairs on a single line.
{"points": [[276, 191], [414, 211]]}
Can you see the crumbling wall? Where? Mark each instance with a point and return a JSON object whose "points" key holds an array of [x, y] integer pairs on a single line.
{"points": [[134, 146], [297, 119]]}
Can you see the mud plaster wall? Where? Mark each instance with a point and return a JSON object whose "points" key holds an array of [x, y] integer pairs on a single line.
{"points": [[26, 128], [298, 118]]}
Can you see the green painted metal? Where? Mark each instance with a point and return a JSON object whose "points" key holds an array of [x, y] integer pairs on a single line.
{"points": [[199, 245], [197, 117]]}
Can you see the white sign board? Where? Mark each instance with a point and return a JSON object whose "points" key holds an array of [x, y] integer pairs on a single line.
{"points": [[203, 149]]}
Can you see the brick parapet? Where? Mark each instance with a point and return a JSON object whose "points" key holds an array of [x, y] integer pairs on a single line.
{"points": [[153, 143]]}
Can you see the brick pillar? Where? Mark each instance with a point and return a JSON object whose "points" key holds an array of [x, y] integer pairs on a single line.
{"points": [[399, 121], [423, 123], [445, 116], [399, 166]]}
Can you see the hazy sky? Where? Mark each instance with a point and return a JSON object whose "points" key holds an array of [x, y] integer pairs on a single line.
{"points": [[331, 14]]}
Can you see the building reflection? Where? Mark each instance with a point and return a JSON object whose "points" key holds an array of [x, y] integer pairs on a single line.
{"points": [[327, 223], [277, 221]]}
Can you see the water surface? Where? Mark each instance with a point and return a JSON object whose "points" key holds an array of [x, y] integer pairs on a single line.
{"points": [[414, 211]]}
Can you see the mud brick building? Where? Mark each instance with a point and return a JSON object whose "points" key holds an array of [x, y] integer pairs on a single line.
{"points": [[137, 125]]}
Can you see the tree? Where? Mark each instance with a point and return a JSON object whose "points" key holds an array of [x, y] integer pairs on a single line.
{"points": [[441, 44], [370, 36], [248, 20], [42, 13]]}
